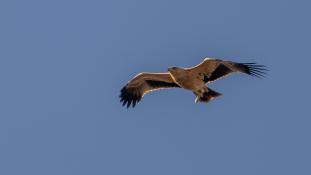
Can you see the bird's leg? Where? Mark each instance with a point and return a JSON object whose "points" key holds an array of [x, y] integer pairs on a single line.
{"points": [[200, 93]]}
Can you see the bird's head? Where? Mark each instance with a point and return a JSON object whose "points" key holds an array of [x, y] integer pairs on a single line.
{"points": [[176, 70], [170, 69]]}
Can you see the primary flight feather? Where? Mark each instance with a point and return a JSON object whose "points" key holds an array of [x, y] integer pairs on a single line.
{"points": [[194, 79]]}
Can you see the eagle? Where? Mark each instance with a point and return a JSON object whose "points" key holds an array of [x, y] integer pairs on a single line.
{"points": [[194, 79]]}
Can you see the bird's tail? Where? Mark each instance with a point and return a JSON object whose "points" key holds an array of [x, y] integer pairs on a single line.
{"points": [[207, 96]]}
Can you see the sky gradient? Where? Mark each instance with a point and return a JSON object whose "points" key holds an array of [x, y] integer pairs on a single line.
{"points": [[63, 63]]}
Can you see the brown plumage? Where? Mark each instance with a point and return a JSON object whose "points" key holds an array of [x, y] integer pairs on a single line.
{"points": [[193, 79]]}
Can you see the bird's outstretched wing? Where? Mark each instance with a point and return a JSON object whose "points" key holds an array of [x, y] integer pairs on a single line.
{"points": [[143, 83], [214, 69]]}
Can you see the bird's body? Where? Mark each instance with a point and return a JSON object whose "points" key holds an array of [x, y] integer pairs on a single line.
{"points": [[194, 79], [189, 80], [185, 79]]}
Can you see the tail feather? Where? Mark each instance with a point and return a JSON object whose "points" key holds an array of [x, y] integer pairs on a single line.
{"points": [[207, 96]]}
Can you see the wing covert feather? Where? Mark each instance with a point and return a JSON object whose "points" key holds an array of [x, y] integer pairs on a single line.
{"points": [[144, 83], [214, 69]]}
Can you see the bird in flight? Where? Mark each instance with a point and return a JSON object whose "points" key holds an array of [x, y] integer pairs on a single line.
{"points": [[194, 79]]}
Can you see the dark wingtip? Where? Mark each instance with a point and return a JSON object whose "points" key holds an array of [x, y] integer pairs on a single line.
{"points": [[254, 69], [129, 96]]}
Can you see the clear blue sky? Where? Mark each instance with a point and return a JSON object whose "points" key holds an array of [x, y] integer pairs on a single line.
{"points": [[63, 62]]}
